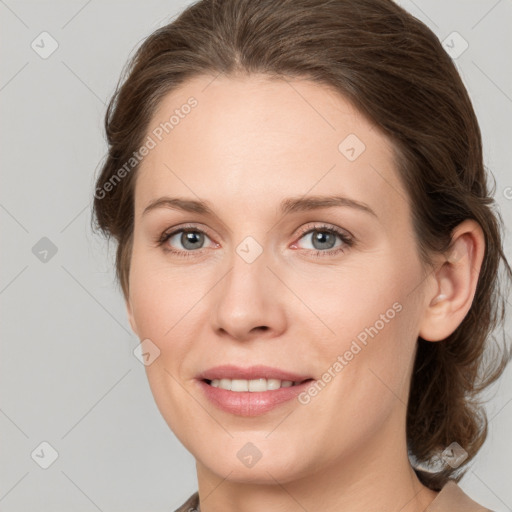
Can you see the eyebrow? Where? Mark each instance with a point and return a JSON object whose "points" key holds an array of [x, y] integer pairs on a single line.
{"points": [[289, 205]]}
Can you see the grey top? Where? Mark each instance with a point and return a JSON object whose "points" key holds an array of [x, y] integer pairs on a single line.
{"points": [[451, 498]]}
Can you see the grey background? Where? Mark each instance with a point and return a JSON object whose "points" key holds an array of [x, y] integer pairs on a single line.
{"points": [[68, 374]]}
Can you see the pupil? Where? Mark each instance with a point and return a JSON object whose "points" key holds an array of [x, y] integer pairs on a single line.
{"points": [[322, 237], [188, 238]]}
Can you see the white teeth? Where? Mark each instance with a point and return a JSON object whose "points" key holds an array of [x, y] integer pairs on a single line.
{"points": [[239, 385], [251, 385]]}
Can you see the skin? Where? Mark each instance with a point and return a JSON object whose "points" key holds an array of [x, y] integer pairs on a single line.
{"points": [[250, 143]]}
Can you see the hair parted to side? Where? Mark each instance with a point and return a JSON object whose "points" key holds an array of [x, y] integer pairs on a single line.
{"points": [[395, 71]]}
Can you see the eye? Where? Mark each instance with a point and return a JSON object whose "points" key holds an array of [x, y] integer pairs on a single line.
{"points": [[323, 239], [190, 240], [184, 241]]}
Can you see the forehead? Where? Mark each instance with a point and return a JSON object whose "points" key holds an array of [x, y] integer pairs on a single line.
{"points": [[252, 140]]}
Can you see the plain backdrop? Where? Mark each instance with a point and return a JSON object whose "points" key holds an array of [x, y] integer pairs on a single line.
{"points": [[68, 375]]}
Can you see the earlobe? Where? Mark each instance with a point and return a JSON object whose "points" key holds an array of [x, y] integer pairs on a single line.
{"points": [[455, 283]]}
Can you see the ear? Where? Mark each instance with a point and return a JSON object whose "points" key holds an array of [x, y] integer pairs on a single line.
{"points": [[454, 283], [129, 310]]}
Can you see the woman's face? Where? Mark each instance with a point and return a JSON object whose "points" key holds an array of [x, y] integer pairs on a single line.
{"points": [[265, 276]]}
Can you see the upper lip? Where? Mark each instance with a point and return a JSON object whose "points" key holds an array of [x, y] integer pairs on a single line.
{"points": [[250, 373]]}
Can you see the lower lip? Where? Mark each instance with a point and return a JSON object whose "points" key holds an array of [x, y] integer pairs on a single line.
{"points": [[247, 403]]}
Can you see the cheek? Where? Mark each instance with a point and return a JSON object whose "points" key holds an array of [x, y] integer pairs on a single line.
{"points": [[162, 300], [366, 332], [366, 376], [348, 301]]}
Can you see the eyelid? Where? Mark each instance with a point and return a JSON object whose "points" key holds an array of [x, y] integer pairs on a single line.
{"points": [[312, 226], [347, 239], [189, 226]]}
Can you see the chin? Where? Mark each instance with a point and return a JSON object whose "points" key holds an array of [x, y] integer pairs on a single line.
{"points": [[230, 464]]}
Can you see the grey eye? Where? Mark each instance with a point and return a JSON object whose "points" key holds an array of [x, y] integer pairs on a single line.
{"points": [[189, 240], [321, 239]]}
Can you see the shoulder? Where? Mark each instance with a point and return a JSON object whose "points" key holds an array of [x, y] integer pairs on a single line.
{"points": [[191, 505], [452, 498]]}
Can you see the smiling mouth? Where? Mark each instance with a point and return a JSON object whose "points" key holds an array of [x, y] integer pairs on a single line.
{"points": [[253, 385]]}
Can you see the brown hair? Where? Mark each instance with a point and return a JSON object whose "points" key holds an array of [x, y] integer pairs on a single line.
{"points": [[395, 71]]}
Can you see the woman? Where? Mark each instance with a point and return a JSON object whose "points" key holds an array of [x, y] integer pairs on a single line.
{"points": [[322, 344]]}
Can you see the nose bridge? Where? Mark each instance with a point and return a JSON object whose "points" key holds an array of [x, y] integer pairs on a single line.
{"points": [[248, 260], [248, 275], [247, 298]]}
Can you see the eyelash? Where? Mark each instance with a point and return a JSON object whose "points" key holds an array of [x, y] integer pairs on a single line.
{"points": [[347, 241]]}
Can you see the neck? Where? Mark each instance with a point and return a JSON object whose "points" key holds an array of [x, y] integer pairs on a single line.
{"points": [[374, 478]]}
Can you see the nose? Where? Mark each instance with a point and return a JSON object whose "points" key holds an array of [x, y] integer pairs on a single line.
{"points": [[250, 300]]}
